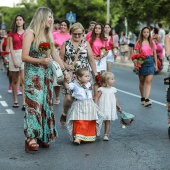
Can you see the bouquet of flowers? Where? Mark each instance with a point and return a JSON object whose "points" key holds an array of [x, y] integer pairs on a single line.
{"points": [[138, 60], [4, 54], [103, 53], [44, 48], [126, 119], [115, 52]]}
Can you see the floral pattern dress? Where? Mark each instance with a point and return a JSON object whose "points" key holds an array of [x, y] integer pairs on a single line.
{"points": [[39, 121], [82, 61]]}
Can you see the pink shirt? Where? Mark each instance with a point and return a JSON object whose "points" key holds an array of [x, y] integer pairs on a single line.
{"points": [[88, 35], [159, 50], [97, 45], [146, 49], [55, 31], [60, 38], [17, 40]]}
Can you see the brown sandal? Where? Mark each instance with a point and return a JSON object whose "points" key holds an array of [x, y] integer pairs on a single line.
{"points": [[42, 144], [31, 146]]}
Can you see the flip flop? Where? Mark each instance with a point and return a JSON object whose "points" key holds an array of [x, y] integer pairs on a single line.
{"points": [[15, 105]]}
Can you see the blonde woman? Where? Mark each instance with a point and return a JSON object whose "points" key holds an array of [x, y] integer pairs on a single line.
{"points": [[39, 122]]}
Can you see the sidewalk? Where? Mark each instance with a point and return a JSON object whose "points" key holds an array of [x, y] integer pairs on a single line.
{"points": [[129, 64]]}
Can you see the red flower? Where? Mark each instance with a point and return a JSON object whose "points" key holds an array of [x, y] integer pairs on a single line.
{"points": [[98, 81], [3, 53], [44, 46]]}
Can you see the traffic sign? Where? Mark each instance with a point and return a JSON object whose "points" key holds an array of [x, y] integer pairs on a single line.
{"points": [[71, 17]]}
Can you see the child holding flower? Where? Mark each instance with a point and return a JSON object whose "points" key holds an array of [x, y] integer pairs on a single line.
{"points": [[147, 47]]}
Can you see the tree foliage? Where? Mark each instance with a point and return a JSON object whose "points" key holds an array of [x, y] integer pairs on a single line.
{"points": [[136, 11]]}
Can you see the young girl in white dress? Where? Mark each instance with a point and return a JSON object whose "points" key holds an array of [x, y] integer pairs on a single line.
{"points": [[107, 101], [84, 119]]}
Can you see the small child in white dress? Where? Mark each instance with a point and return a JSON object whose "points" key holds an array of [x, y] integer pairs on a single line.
{"points": [[84, 119], [107, 101]]}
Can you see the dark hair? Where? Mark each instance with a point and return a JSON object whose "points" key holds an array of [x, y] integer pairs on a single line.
{"points": [[14, 26], [79, 72], [155, 30], [160, 25], [151, 27], [93, 22], [93, 35], [110, 33], [67, 23], [123, 33], [56, 21], [141, 38]]}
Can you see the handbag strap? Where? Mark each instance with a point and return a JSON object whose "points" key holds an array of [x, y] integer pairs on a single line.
{"points": [[78, 52]]}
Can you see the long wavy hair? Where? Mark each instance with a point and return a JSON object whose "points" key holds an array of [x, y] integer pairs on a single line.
{"points": [[14, 27], [93, 35], [141, 38], [38, 25]]}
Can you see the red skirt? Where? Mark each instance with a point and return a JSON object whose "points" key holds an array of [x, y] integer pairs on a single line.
{"points": [[84, 130]]}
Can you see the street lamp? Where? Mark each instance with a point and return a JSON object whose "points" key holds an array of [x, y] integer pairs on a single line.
{"points": [[108, 11]]}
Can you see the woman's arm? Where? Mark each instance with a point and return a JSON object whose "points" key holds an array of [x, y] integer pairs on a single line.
{"points": [[97, 96], [155, 59], [167, 46], [91, 59], [26, 44], [1, 49], [62, 54]]}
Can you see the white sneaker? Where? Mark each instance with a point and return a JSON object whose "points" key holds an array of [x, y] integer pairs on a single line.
{"points": [[19, 92], [106, 138]]}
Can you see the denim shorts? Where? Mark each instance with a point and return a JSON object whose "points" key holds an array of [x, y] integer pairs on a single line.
{"points": [[147, 67]]}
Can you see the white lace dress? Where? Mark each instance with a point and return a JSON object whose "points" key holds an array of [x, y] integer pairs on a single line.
{"points": [[107, 103]]}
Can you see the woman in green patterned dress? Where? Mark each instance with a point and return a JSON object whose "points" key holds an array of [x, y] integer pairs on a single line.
{"points": [[39, 121]]}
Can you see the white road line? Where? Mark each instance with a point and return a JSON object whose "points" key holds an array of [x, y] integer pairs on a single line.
{"points": [[4, 103], [10, 111], [131, 94]]}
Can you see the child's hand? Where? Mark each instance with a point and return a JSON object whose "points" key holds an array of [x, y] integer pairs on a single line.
{"points": [[118, 109]]}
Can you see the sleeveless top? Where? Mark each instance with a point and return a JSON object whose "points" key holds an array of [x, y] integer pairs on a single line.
{"points": [[70, 54]]}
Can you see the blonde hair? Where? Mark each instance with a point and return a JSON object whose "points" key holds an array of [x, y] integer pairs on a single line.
{"points": [[37, 25], [76, 26], [105, 77]]}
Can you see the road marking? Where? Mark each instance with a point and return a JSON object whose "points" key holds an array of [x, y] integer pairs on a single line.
{"points": [[131, 94], [10, 111], [4, 103]]}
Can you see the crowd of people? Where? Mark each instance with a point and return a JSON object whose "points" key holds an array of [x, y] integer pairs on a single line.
{"points": [[85, 59]]}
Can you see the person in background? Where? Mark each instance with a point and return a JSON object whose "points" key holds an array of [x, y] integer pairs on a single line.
{"points": [[146, 46], [56, 26], [108, 35], [167, 47], [151, 30], [39, 119], [123, 46], [161, 35], [16, 65], [59, 38], [91, 27], [131, 44], [155, 34]]}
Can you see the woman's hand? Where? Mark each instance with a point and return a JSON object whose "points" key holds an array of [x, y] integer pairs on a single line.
{"points": [[69, 67], [98, 58], [156, 68], [15, 64], [46, 61]]}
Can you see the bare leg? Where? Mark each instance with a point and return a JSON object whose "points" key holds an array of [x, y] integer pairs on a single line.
{"points": [[142, 85], [109, 65], [107, 127], [57, 93], [148, 82], [15, 76]]}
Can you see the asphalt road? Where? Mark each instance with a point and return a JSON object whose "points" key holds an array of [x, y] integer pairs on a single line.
{"points": [[144, 145]]}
